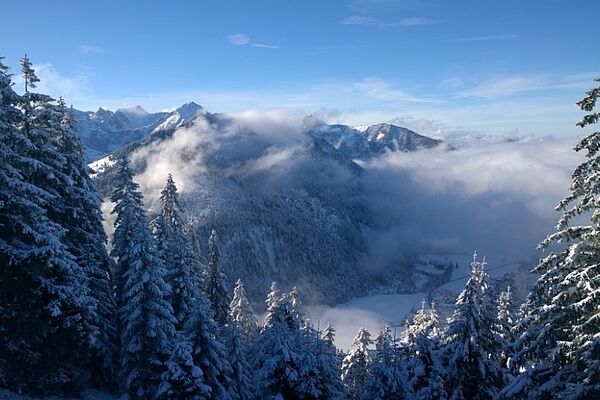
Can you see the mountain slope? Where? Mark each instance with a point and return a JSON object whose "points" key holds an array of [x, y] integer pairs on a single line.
{"points": [[287, 204]]}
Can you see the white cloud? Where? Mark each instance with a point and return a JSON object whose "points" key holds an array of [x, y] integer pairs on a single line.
{"points": [[241, 39], [451, 83], [492, 194], [514, 84], [403, 22], [265, 46], [359, 20], [380, 89], [172, 156], [414, 21], [88, 49], [503, 86], [73, 88], [508, 36]]}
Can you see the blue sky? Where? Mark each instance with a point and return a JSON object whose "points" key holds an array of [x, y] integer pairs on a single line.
{"points": [[489, 66]]}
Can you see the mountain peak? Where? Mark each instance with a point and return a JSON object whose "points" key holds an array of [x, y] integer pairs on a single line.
{"points": [[135, 110], [189, 107]]}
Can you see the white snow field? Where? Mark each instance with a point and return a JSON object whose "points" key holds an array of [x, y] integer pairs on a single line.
{"points": [[375, 311]]}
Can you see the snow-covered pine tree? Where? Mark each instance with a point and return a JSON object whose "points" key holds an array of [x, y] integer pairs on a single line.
{"points": [[319, 367], [273, 300], [386, 377], [560, 347], [45, 296], [176, 252], [86, 240], [291, 360], [192, 238], [505, 325], [241, 313], [473, 348], [423, 364], [216, 289], [425, 321], [208, 350], [147, 324], [183, 379], [329, 337], [242, 377], [29, 244], [356, 363], [505, 313], [272, 358]]}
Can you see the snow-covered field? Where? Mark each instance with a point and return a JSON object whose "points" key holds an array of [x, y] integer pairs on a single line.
{"points": [[375, 311]]}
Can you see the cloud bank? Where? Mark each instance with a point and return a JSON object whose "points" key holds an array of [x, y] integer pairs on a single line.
{"points": [[495, 195]]}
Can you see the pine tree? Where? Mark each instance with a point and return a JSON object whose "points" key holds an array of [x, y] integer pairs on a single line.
{"points": [[273, 300], [291, 360], [319, 367], [176, 252], [242, 378], [86, 240], [505, 313], [192, 238], [182, 378], [146, 319], [241, 313], [385, 380], [28, 74], [560, 348], [505, 325], [329, 337], [45, 299], [425, 321], [422, 343], [472, 352], [355, 364], [208, 351], [216, 290]]}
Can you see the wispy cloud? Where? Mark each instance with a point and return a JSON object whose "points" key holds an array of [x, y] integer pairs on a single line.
{"points": [[511, 85], [508, 36], [242, 39], [381, 89], [88, 49], [265, 46], [239, 39], [380, 23], [72, 88], [451, 83]]}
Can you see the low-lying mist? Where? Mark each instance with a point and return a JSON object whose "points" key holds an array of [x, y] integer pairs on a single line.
{"points": [[494, 195]]}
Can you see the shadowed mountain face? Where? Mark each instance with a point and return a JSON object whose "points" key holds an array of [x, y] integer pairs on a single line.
{"points": [[287, 204]]}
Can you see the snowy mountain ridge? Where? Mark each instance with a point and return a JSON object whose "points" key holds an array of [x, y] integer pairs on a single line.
{"points": [[365, 142], [104, 131]]}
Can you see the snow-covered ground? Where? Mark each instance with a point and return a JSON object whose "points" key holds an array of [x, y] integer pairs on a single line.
{"points": [[375, 311], [370, 312]]}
